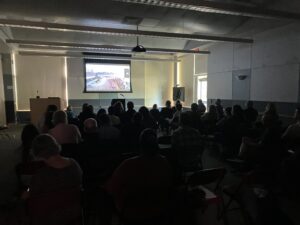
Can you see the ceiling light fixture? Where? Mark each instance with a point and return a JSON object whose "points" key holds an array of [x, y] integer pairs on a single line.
{"points": [[64, 45], [219, 8], [138, 48], [121, 32]]}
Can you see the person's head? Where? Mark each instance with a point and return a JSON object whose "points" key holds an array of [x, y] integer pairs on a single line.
{"points": [[59, 117], [212, 109], [144, 111], [249, 104], [200, 102], [228, 111], [194, 107], [237, 110], [118, 108], [101, 112], [218, 102], [154, 106], [45, 146], [51, 108], [90, 109], [69, 108], [84, 107], [111, 110], [130, 105], [148, 143], [177, 102], [104, 120], [29, 132], [168, 104], [90, 125], [178, 107], [185, 119]]}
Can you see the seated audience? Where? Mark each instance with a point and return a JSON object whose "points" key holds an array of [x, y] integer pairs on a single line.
{"points": [[87, 112], [127, 116], [115, 120], [140, 186], [209, 120], [268, 150], [70, 113], [63, 132], [28, 134], [118, 109], [106, 130], [219, 108], [58, 174], [155, 113], [271, 114], [147, 120], [232, 130], [250, 113], [187, 144], [292, 134], [166, 114], [100, 112], [130, 133], [201, 107], [45, 122], [195, 116], [176, 116]]}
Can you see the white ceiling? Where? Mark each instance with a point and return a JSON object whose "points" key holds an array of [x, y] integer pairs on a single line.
{"points": [[108, 13]]}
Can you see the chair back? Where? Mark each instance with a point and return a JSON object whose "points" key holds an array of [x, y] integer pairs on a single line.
{"points": [[207, 176], [59, 207]]}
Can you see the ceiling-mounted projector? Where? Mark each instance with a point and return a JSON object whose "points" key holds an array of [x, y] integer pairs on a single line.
{"points": [[138, 48]]}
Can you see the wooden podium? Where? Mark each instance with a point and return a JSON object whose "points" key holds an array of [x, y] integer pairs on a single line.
{"points": [[38, 107]]}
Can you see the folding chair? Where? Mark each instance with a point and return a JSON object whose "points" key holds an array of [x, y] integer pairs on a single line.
{"points": [[234, 193], [208, 181]]}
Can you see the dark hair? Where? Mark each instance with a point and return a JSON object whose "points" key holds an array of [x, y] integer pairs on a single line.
{"points": [[130, 105], [101, 112], [45, 146], [29, 132], [104, 120], [168, 103], [148, 142], [111, 110], [194, 107]]}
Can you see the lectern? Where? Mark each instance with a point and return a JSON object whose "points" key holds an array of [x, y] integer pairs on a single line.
{"points": [[38, 107]]}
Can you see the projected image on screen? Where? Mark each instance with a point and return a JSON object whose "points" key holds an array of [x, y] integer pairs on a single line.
{"points": [[107, 77]]}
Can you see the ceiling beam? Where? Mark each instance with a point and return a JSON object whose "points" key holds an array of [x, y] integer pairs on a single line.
{"points": [[68, 55], [119, 32], [97, 47], [219, 8]]}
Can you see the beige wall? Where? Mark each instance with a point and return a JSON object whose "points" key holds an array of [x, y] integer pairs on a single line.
{"points": [[2, 105], [186, 76], [151, 80], [158, 82], [43, 74]]}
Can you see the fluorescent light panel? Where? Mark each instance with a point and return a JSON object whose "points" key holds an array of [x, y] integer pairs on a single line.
{"points": [[219, 8]]}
